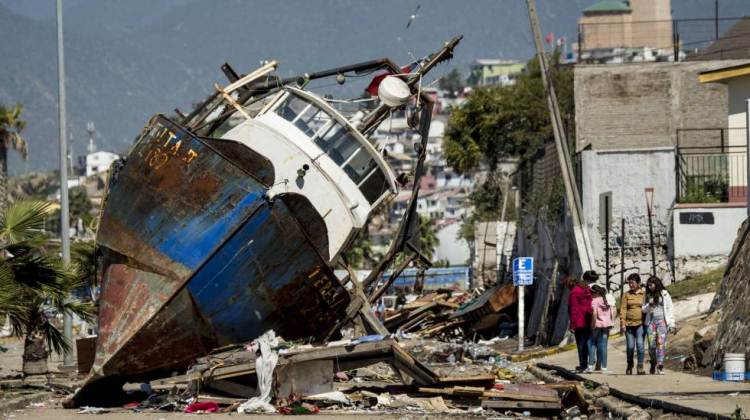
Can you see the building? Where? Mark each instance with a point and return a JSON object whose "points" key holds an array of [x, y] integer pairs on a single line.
{"points": [[99, 162], [450, 248], [708, 225], [654, 125], [485, 72], [636, 30]]}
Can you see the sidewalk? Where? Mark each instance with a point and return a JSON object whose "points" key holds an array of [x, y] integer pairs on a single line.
{"points": [[674, 391]]}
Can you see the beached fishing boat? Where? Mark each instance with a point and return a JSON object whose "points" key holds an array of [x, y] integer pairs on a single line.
{"points": [[226, 223]]}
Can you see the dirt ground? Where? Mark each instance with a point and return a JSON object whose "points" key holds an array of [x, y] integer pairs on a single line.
{"points": [[680, 345]]}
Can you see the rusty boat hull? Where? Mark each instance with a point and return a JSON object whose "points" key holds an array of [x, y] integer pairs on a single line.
{"points": [[195, 256]]}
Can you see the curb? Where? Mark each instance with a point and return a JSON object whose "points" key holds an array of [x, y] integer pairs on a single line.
{"points": [[523, 357], [634, 399], [540, 353], [24, 401]]}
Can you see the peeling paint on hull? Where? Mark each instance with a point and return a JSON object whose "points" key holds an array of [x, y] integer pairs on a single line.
{"points": [[195, 257]]}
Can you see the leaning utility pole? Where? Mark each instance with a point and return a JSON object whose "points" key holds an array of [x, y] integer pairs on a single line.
{"points": [[573, 198], [64, 221]]}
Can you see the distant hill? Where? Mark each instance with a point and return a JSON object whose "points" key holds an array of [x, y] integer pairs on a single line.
{"points": [[126, 61]]}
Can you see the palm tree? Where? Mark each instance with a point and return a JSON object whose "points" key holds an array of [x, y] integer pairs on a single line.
{"points": [[11, 126], [83, 255], [39, 284], [428, 236]]}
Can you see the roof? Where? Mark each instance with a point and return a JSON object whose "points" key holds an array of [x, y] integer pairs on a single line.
{"points": [[734, 44], [608, 6], [724, 74]]}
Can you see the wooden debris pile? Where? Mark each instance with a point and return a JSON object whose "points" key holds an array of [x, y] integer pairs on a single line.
{"points": [[331, 377], [447, 313]]}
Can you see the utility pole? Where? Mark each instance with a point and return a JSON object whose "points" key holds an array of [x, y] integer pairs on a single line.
{"points": [[64, 218], [583, 245]]}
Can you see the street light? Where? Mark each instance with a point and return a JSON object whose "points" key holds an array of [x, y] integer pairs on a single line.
{"points": [[64, 221]]}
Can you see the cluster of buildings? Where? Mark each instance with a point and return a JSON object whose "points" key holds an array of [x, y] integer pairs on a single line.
{"points": [[617, 31], [651, 131], [444, 194]]}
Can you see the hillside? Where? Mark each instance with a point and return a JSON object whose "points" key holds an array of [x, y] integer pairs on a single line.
{"points": [[128, 60]]}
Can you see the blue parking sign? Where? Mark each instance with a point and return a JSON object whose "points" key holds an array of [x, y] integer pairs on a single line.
{"points": [[523, 271]]}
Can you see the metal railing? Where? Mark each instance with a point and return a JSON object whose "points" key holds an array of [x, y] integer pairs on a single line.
{"points": [[711, 165]]}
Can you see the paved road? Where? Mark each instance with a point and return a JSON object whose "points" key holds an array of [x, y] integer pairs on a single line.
{"points": [[698, 392]]}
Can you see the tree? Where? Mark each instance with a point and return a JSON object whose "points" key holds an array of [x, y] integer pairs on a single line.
{"points": [[11, 126], [499, 122], [83, 256], [452, 83], [80, 208], [80, 205], [39, 284], [504, 121], [427, 236]]}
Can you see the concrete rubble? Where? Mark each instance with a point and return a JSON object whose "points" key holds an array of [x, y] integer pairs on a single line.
{"points": [[371, 374]]}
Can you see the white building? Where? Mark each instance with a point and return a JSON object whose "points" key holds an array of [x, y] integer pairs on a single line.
{"points": [[450, 248], [99, 162]]}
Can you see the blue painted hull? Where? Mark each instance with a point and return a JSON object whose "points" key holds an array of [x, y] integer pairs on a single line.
{"points": [[195, 257]]}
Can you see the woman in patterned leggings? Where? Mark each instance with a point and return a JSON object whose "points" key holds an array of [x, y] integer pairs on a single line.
{"points": [[659, 314]]}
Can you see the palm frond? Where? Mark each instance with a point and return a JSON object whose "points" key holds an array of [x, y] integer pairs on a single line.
{"points": [[83, 310], [55, 339], [83, 255], [11, 126], [14, 141], [23, 220]]}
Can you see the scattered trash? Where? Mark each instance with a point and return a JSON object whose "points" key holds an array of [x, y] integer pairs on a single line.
{"points": [[295, 406], [265, 364], [202, 407], [330, 397], [92, 410]]}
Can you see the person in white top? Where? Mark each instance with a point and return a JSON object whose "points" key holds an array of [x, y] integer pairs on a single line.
{"points": [[659, 320]]}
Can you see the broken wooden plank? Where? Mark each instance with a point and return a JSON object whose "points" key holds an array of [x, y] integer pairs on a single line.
{"points": [[528, 405], [491, 394], [468, 391], [571, 393], [415, 368], [489, 379]]}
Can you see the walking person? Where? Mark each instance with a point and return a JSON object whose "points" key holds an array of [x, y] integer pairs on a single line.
{"points": [[659, 314], [579, 309], [631, 322], [602, 320]]}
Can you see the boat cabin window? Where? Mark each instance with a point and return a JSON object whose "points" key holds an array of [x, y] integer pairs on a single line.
{"points": [[337, 141]]}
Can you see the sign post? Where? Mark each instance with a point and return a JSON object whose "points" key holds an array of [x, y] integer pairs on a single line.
{"points": [[523, 275]]}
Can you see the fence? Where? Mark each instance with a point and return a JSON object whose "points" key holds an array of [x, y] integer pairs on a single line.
{"points": [[658, 40], [711, 165]]}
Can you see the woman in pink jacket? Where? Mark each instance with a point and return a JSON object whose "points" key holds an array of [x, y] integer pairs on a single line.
{"points": [[579, 309], [602, 320]]}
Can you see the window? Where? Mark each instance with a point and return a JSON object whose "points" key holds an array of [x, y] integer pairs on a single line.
{"points": [[338, 142], [299, 112]]}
